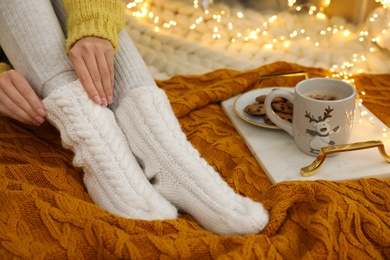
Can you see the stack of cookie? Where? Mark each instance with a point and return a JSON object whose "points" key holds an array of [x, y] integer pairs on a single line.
{"points": [[282, 107]]}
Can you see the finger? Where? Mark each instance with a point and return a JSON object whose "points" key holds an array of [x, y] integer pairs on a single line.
{"points": [[82, 73], [13, 101], [105, 77], [93, 68], [11, 109], [34, 106], [110, 64]]}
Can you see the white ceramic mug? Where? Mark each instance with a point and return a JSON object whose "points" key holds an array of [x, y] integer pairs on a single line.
{"points": [[323, 113]]}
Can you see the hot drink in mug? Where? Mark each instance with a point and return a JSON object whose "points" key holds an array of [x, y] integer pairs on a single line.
{"points": [[323, 95], [322, 116]]}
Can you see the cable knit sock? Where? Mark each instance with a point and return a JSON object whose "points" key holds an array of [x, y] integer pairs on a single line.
{"points": [[176, 169], [112, 175]]}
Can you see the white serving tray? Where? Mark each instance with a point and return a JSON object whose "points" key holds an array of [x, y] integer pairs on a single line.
{"points": [[282, 160]]}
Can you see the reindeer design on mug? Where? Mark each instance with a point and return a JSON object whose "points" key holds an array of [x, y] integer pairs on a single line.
{"points": [[321, 134]]}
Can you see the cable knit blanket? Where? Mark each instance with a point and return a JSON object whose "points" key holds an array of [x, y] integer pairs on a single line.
{"points": [[45, 212], [178, 47]]}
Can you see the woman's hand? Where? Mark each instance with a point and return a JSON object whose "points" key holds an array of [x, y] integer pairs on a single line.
{"points": [[93, 61], [18, 100]]}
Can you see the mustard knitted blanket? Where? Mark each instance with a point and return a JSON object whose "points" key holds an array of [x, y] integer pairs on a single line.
{"points": [[45, 211]]}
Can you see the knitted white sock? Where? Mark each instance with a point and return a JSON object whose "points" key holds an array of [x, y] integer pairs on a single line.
{"points": [[176, 169], [112, 175]]}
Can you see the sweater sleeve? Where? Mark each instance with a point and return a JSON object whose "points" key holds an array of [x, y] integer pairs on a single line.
{"points": [[4, 66], [100, 18]]}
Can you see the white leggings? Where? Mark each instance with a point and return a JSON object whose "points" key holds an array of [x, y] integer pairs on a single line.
{"points": [[33, 37]]}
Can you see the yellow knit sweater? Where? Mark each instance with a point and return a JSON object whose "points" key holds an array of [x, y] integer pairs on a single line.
{"points": [[100, 18]]}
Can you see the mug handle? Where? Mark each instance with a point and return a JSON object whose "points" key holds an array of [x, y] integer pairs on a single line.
{"points": [[283, 124]]}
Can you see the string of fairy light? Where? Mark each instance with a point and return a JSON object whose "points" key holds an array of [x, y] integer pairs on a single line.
{"points": [[385, 3], [141, 9]]}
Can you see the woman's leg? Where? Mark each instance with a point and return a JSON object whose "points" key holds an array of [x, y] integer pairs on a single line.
{"points": [[171, 163], [34, 42], [131, 71]]}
